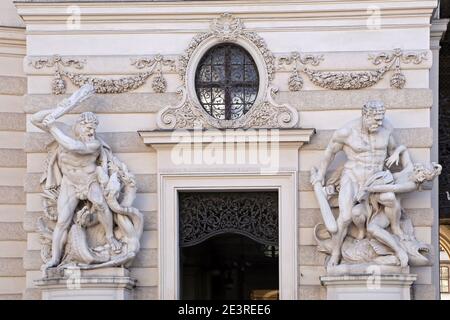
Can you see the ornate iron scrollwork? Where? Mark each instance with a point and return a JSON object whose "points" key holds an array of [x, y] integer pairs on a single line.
{"points": [[206, 214]]}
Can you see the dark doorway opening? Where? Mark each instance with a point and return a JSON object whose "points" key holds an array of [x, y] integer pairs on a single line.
{"points": [[229, 266], [229, 245]]}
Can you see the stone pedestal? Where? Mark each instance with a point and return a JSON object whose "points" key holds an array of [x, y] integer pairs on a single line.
{"points": [[368, 286], [76, 284]]}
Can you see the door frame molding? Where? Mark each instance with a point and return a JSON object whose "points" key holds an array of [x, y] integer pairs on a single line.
{"points": [[285, 182]]}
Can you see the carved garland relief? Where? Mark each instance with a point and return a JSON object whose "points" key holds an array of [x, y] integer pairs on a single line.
{"points": [[152, 66], [347, 80]]}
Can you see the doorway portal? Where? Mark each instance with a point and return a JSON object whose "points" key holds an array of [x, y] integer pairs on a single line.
{"points": [[229, 245]]}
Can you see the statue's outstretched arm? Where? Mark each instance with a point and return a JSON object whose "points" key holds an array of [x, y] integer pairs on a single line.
{"points": [[396, 188], [401, 151], [394, 158]]}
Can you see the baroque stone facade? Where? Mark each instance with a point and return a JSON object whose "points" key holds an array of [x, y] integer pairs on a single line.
{"points": [[314, 76]]}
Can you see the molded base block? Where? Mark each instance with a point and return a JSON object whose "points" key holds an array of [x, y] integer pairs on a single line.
{"points": [[76, 284], [369, 287]]}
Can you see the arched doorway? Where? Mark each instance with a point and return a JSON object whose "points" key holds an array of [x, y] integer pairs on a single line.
{"points": [[229, 245]]}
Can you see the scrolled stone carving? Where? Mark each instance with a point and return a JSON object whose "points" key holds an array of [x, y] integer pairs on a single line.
{"points": [[350, 80], [184, 59], [182, 116], [398, 55], [372, 228], [124, 84], [394, 60], [271, 115], [158, 62], [298, 61], [227, 28], [266, 113], [159, 83], [89, 221], [56, 60]]}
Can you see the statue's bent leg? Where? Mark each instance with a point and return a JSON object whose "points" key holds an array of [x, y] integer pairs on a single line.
{"points": [[95, 196], [377, 229], [66, 205], [392, 208], [346, 196], [359, 214]]}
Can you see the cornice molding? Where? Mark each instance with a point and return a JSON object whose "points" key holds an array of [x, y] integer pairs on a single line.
{"points": [[201, 11], [169, 137], [438, 28], [12, 41]]}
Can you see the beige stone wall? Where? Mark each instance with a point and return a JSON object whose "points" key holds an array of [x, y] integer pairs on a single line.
{"points": [[12, 163], [168, 28]]}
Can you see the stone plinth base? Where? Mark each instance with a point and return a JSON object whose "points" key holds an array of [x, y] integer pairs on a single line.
{"points": [[369, 287], [76, 284]]}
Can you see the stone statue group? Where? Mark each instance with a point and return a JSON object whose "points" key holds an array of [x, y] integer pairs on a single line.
{"points": [[88, 221], [371, 227]]}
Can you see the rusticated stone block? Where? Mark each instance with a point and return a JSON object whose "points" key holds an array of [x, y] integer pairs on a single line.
{"points": [[107, 103], [11, 267], [32, 294], [118, 141], [32, 260], [310, 256], [12, 195], [12, 122], [146, 258], [13, 158], [315, 100], [10, 85], [311, 292], [12, 231]]}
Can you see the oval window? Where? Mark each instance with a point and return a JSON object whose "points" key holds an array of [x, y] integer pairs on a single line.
{"points": [[227, 81]]}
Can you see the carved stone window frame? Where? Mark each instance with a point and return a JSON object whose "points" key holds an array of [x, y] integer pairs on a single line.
{"points": [[265, 112]]}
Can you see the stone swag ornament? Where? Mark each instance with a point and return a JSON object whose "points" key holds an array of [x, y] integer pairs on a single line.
{"points": [[371, 227], [89, 221]]}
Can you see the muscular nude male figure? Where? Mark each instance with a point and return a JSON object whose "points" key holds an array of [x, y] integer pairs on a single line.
{"points": [[367, 142], [77, 157]]}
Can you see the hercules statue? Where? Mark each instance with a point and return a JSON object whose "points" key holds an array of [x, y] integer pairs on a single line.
{"points": [[83, 172], [371, 227]]}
